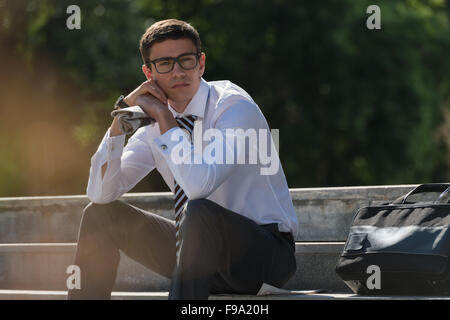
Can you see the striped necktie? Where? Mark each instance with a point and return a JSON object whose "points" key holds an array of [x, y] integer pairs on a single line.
{"points": [[184, 122]]}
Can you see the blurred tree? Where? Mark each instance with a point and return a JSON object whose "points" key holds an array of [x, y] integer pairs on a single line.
{"points": [[354, 106]]}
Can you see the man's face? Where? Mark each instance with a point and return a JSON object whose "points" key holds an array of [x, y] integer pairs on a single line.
{"points": [[180, 85]]}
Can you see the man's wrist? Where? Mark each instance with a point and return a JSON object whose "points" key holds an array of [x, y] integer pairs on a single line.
{"points": [[165, 120], [115, 129], [121, 103], [128, 101], [164, 113]]}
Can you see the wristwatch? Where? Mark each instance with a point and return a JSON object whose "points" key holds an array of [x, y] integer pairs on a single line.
{"points": [[120, 103]]}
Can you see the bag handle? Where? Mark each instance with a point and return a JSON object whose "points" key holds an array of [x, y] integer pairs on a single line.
{"points": [[444, 188], [444, 196]]}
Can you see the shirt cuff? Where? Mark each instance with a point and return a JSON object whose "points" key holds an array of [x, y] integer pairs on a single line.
{"points": [[172, 138]]}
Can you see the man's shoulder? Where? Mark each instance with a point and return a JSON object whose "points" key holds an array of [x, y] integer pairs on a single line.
{"points": [[229, 98], [227, 91]]}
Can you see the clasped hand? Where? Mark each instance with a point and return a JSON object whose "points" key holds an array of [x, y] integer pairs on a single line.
{"points": [[150, 97]]}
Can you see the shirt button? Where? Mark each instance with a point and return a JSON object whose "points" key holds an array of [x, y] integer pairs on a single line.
{"points": [[163, 146]]}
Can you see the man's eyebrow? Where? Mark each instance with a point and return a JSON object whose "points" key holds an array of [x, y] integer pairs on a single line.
{"points": [[165, 58]]}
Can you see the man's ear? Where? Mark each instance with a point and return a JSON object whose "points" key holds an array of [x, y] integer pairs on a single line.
{"points": [[202, 62], [146, 70]]}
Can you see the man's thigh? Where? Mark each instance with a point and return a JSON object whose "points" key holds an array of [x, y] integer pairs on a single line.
{"points": [[252, 254], [143, 236]]}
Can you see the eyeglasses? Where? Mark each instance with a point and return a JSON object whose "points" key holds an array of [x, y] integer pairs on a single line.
{"points": [[186, 61]]}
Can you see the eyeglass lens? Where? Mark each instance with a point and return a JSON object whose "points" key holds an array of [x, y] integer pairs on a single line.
{"points": [[188, 61]]}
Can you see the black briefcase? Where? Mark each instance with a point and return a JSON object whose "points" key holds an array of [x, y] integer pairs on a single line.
{"points": [[400, 247]]}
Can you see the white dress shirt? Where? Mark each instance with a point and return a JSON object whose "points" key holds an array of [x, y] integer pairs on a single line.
{"points": [[239, 186]]}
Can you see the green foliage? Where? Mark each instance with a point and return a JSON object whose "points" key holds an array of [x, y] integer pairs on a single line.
{"points": [[354, 106]]}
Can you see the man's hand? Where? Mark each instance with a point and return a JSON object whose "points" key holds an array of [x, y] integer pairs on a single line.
{"points": [[153, 102], [151, 105], [158, 111], [154, 96], [147, 87]]}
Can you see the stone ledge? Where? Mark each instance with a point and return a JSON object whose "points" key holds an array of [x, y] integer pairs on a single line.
{"points": [[42, 266], [295, 295], [324, 214], [300, 247], [37, 236]]}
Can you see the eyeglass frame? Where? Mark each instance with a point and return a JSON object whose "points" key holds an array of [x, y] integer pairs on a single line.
{"points": [[176, 60]]}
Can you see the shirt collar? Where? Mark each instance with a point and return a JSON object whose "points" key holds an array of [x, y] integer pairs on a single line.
{"points": [[197, 104]]}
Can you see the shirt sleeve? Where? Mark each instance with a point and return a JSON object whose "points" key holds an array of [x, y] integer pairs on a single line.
{"points": [[199, 173], [126, 166]]}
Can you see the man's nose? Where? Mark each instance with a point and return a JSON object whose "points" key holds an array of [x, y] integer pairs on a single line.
{"points": [[178, 70]]}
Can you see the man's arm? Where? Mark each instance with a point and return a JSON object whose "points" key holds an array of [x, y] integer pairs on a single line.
{"points": [[199, 180], [154, 104], [126, 166], [114, 131]]}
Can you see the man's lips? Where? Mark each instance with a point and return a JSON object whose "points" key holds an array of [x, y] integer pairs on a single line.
{"points": [[179, 85]]}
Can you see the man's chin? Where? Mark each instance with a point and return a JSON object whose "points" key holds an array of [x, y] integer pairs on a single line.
{"points": [[179, 101]]}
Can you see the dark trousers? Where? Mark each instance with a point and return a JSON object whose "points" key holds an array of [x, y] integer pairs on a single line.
{"points": [[221, 251]]}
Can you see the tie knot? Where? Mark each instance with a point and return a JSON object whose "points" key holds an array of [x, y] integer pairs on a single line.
{"points": [[189, 117], [186, 122]]}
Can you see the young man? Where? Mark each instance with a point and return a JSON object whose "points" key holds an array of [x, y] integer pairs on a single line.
{"points": [[234, 222]]}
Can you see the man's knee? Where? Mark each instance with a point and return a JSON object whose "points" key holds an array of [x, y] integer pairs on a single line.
{"points": [[198, 211], [95, 211], [201, 228], [198, 207]]}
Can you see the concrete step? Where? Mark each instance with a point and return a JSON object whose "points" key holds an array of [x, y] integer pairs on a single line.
{"points": [[324, 214], [42, 266], [294, 295]]}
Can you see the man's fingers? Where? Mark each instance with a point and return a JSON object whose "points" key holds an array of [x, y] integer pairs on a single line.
{"points": [[153, 88]]}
